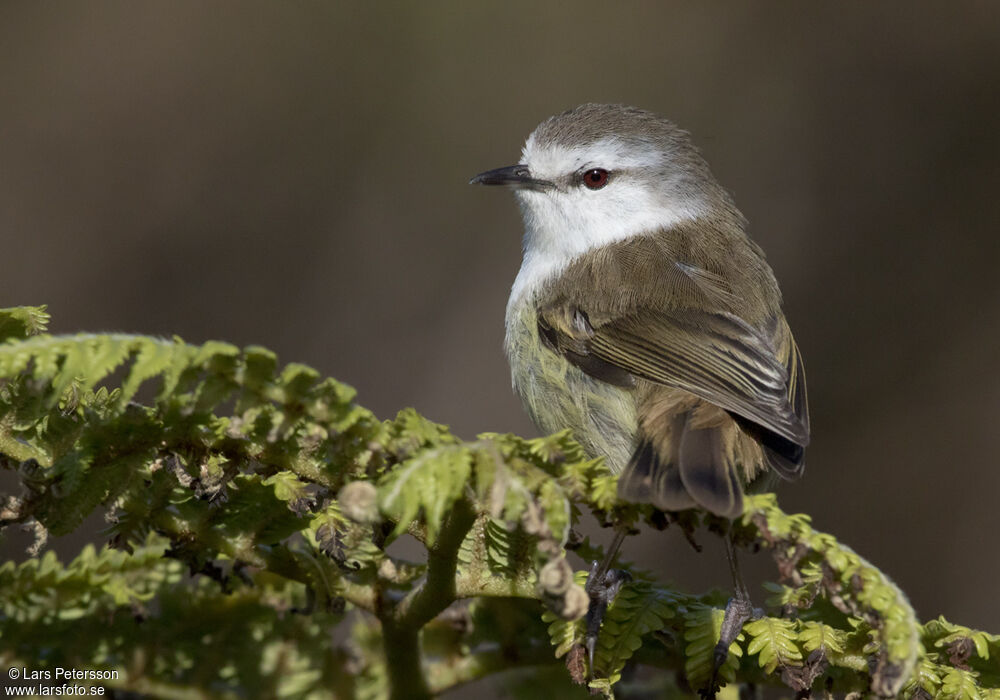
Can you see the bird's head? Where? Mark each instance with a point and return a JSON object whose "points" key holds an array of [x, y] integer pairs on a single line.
{"points": [[599, 174]]}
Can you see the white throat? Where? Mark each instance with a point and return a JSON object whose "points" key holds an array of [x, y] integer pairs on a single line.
{"points": [[559, 227], [645, 193]]}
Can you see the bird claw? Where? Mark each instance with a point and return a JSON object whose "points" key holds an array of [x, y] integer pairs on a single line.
{"points": [[739, 610], [602, 588]]}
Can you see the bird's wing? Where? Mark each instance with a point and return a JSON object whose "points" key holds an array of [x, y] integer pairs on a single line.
{"points": [[716, 356]]}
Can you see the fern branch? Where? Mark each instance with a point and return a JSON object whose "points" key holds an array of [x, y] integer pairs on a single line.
{"points": [[251, 505], [401, 623], [438, 591]]}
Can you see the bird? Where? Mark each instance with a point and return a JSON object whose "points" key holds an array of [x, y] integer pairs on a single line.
{"points": [[646, 320]]}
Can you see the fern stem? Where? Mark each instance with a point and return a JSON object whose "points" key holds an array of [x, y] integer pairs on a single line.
{"points": [[401, 623], [474, 582], [438, 591], [402, 656]]}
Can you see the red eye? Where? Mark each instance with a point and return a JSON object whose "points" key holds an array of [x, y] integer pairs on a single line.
{"points": [[595, 179]]}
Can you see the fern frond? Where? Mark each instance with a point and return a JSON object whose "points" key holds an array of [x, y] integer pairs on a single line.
{"points": [[960, 685], [431, 482], [772, 641], [639, 609], [857, 586], [22, 322], [250, 505], [702, 628], [816, 636]]}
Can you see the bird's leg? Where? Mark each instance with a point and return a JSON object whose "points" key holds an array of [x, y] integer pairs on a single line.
{"points": [[603, 585], [739, 609]]}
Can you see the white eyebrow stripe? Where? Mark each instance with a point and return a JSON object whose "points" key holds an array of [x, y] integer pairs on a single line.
{"points": [[611, 153]]}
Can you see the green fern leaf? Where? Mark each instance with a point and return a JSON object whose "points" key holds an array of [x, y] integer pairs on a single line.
{"points": [[508, 550], [557, 448], [773, 641], [23, 322], [816, 635], [944, 634], [783, 596], [259, 368], [959, 684], [152, 358], [926, 677], [564, 634], [290, 489], [254, 512], [557, 510], [414, 431], [639, 608], [702, 629], [604, 491], [431, 482]]}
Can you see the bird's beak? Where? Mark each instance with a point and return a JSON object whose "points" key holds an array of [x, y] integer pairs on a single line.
{"points": [[516, 176]]}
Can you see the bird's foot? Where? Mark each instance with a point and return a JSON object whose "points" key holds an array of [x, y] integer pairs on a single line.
{"points": [[602, 588], [739, 610]]}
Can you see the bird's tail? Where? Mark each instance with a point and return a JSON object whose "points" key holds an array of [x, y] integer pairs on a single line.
{"points": [[688, 466]]}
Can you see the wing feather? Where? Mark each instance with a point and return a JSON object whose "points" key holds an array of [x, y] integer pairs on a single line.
{"points": [[716, 356]]}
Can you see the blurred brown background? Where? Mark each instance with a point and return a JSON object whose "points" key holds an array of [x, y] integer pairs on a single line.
{"points": [[294, 175]]}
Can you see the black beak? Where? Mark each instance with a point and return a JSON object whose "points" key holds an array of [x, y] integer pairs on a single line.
{"points": [[516, 176]]}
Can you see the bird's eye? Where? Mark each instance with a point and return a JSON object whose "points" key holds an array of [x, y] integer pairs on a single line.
{"points": [[596, 178]]}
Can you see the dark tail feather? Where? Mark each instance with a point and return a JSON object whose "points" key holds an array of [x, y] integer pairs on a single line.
{"points": [[653, 478], [695, 474], [784, 456], [707, 474], [649, 479], [787, 469]]}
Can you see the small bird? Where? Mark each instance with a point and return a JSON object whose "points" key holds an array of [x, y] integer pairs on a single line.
{"points": [[645, 319]]}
